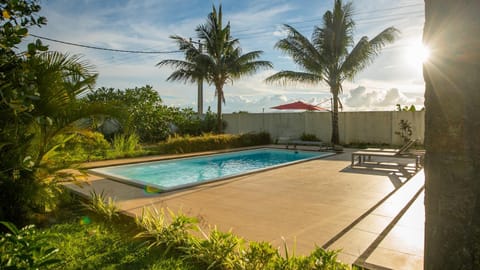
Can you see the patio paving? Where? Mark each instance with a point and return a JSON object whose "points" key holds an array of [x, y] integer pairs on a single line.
{"points": [[374, 214]]}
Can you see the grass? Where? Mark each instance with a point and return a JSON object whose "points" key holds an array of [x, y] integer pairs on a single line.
{"points": [[156, 240]]}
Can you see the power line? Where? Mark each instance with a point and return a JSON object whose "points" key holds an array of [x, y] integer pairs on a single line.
{"points": [[319, 19], [103, 49]]}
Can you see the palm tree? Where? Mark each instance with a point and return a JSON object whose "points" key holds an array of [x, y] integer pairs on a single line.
{"points": [[326, 58], [59, 80], [221, 62]]}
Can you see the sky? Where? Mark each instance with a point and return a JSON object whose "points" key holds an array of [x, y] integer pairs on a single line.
{"points": [[395, 77]]}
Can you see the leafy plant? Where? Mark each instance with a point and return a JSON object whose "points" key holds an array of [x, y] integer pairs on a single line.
{"points": [[218, 251], [406, 108], [258, 255], [102, 205], [169, 232], [139, 110], [406, 130], [309, 137], [322, 259], [125, 143], [189, 122], [26, 248], [207, 142]]}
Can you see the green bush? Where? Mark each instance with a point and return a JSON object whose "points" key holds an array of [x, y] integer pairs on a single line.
{"points": [[189, 123], [125, 143], [26, 248], [219, 250], [84, 146], [258, 255], [102, 205], [208, 142], [170, 233], [309, 137]]}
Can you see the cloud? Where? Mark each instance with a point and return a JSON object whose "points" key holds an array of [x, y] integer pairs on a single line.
{"points": [[362, 99], [392, 97], [359, 97]]}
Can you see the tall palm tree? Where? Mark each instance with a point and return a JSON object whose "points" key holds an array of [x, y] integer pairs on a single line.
{"points": [[326, 58], [221, 62]]}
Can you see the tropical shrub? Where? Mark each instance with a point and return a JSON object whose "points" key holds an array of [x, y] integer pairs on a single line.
{"points": [[222, 250], [37, 103], [102, 205], [125, 143], [26, 248], [258, 255], [189, 123], [168, 232], [17, 180], [208, 142], [83, 146], [140, 110], [219, 250], [309, 137]]}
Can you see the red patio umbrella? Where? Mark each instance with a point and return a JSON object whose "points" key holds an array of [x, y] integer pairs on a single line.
{"points": [[299, 105]]}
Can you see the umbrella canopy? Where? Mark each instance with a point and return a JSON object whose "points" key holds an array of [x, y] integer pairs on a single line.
{"points": [[299, 105]]}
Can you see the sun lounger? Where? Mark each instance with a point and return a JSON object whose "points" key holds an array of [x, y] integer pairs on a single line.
{"points": [[359, 157], [404, 148]]}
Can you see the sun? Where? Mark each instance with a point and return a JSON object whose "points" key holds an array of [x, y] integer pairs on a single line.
{"points": [[417, 53]]}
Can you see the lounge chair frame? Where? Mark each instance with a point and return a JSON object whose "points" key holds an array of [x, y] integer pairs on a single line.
{"points": [[362, 156]]}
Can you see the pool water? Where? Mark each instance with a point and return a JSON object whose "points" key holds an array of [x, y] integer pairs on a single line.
{"points": [[179, 173]]}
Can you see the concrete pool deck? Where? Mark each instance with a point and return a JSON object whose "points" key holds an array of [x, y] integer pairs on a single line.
{"points": [[374, 214]]}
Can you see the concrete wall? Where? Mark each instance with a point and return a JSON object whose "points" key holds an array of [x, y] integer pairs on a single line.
{"points": [[354, 127]]}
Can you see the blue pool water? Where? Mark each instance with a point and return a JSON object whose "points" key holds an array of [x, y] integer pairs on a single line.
{"points": [[179, 173]]}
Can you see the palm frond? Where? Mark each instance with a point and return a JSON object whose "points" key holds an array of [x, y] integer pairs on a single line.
{"points": [[365, 52], [302, 51], [291, 77], [336, 35], [387, 36], [246, 65]]}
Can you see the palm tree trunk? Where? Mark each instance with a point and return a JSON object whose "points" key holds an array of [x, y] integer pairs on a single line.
{"points": [[219, 110], [452, 140], [335, 134]]}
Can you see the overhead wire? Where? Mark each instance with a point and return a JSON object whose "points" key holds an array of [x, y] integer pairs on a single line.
{"points": [[102, 48], [319, 18]]}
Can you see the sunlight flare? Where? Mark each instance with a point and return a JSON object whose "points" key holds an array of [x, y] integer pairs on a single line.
{"points": [[417, 53]]}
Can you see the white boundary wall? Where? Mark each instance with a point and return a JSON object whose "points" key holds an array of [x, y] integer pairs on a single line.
{"points": [[354, 127]]}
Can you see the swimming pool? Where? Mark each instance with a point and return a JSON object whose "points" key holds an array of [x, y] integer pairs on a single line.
{"points": [[179, 173]]}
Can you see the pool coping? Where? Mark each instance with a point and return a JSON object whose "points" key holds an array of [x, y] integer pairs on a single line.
{"points": [[163, 189]]}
